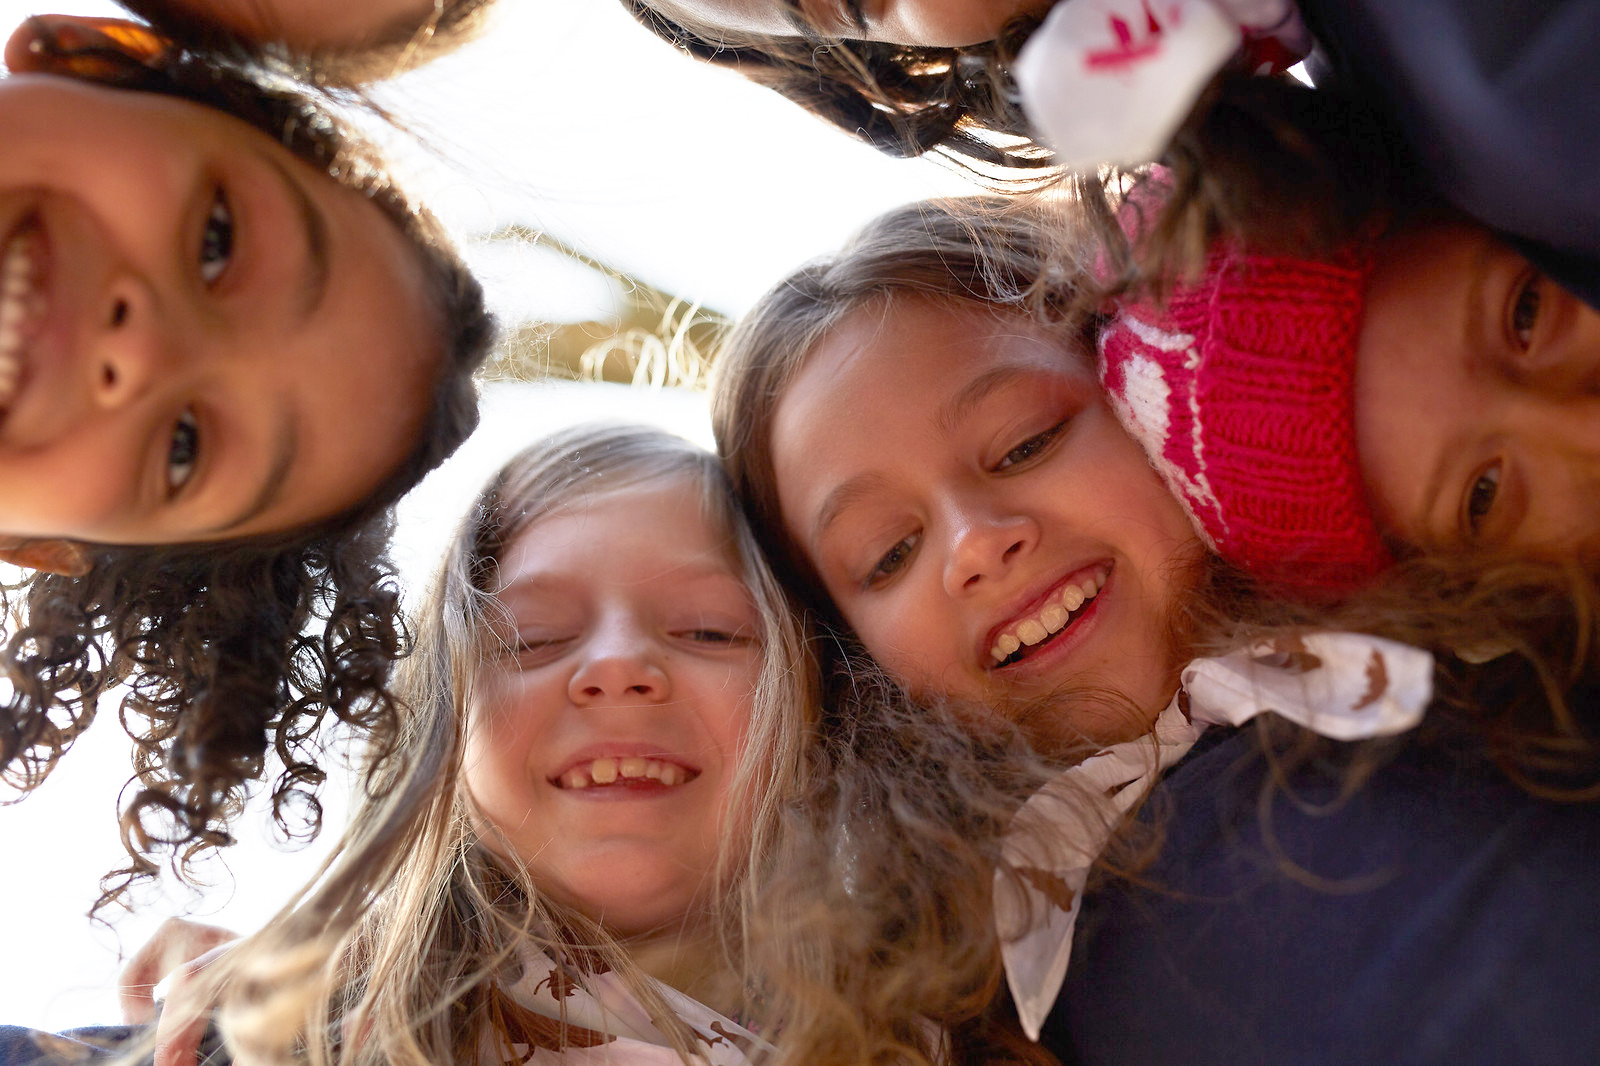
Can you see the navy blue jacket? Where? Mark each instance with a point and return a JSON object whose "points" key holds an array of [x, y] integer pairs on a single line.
{"points": [[1440, 915], [1498, 101]]}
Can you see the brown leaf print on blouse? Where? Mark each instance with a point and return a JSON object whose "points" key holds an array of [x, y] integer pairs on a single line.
{"points": [[732, 1040], [1377, 681], [1289, 654], [1049, 885], [560, 984]]}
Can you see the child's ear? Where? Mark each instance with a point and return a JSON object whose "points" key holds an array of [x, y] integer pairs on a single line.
{"points": [[77, 45], [64, 557]]}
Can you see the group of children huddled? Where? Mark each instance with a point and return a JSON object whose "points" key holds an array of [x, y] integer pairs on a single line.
{"points": [[1147, 618]]}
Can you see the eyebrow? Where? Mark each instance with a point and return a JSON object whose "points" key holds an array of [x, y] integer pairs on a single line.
{"points": [[315, 283], [840, 500], [949, 416], [288, 443]]}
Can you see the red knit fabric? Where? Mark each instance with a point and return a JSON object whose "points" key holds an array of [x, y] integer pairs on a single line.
{"points": [[1240, 391]]}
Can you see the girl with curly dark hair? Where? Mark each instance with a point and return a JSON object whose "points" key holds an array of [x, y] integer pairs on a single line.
{"points": [[227, 346]]}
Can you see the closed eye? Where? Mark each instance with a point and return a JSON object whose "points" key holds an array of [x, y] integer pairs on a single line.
{"points": [[534, 651], [216, 239], [826, 18], [726, 638], [1032, 447], [183, 451]]}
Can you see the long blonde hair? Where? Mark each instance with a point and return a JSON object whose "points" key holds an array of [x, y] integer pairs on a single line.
{"points": [[403, 950]]}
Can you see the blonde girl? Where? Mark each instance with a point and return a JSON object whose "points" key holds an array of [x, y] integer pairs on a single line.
{"points": [[608, 702], [609, 825]]}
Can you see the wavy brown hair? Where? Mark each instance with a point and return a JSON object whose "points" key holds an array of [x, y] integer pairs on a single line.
{"points": [[904, 100], [236, 650]]}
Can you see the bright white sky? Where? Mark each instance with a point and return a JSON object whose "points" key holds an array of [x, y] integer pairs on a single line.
{"points": [[569, 119]]}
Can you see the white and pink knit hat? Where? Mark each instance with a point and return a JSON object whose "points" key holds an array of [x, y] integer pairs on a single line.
{"points": [[1239, 389]]}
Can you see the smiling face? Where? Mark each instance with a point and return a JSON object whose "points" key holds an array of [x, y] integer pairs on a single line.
{"points": [[930, 23], [200, 336], [979, 517], [602, 744], [1477, 397]]}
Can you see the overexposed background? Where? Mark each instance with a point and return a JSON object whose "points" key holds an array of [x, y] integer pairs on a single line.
{"points": [[569, 121]]}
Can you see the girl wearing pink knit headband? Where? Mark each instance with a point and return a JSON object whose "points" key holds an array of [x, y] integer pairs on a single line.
{"points": [[1360, 375], [916, 432]]}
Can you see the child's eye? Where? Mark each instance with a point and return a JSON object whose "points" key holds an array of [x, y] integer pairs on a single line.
{"points": [[1480, 498], [891, 562], [1031, 447], [1525, 310], [183, 450], [723, 637], [531, 651], [216, 240]]}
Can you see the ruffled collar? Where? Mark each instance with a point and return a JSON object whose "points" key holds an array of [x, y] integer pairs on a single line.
{"points": [[603, 1003], [1345, 686]]}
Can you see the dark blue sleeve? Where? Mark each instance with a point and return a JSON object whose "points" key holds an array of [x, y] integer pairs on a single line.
{"points": [[32, 1047], [1498, 101], [1439, 915]]}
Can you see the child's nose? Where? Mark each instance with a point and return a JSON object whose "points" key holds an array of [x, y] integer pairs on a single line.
{"points": [[622, 666], [984, 545], [128, 349]]}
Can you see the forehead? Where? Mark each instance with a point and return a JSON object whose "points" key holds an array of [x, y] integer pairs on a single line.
{"points": [[757, 17], [664, 528], [918, 363]]}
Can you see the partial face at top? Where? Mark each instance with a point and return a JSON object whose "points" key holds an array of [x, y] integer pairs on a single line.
{"points": [[979, 517], [1478, 397], [932, 23], [201, 337], [603, 741], [308, 24]]}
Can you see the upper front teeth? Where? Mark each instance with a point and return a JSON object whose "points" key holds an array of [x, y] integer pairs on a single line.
{"points": [[1052, 617], [607, 770], [16, 304]]}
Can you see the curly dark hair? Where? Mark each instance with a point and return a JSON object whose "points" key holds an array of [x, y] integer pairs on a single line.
{"points": [[233, 648], [904, 100]]}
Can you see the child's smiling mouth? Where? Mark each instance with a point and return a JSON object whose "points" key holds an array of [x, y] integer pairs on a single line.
{"points": [[1022, 636], [630, 771], [21, 306]]}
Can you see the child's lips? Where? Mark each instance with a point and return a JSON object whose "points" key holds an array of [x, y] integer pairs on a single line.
{"points": [[636, 770], [1045, 617]]}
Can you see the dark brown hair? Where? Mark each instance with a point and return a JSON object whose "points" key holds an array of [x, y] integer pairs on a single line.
{"points": [[235, 650], [903, 100]]}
